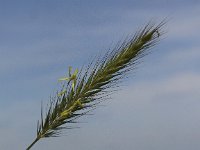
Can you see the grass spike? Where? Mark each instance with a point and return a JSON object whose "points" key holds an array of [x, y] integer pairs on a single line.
{"points": [[84, 91]]}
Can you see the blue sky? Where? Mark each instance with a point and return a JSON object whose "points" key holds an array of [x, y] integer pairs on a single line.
{"points": [[158, 107]]}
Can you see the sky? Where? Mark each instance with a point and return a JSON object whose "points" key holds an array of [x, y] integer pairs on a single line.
{"points": [[157, 107]]}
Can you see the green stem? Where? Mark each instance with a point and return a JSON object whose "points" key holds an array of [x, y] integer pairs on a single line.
{"points": [[31, 145]]}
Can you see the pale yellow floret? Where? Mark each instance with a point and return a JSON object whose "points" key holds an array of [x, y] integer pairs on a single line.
{"points": [[72, 77], [72, 108]]}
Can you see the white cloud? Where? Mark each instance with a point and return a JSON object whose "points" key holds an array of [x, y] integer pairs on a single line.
{"points": [[185, 23]]}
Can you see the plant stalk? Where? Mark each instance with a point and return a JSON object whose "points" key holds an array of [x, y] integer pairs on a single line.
{"points": [[31, 145]]}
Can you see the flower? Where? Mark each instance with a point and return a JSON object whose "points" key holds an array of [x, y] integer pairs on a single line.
{"points": [[72, 77]]}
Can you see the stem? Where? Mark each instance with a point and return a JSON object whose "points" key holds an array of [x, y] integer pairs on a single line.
{"points": [[31, 145]]}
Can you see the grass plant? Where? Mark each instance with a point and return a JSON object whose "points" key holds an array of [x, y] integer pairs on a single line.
{"points": [[83, 90]]}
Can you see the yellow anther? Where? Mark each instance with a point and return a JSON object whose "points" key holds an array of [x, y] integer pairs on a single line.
{"points": [[72, 77], [65, 113], [79, 104], [62, 92]]}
